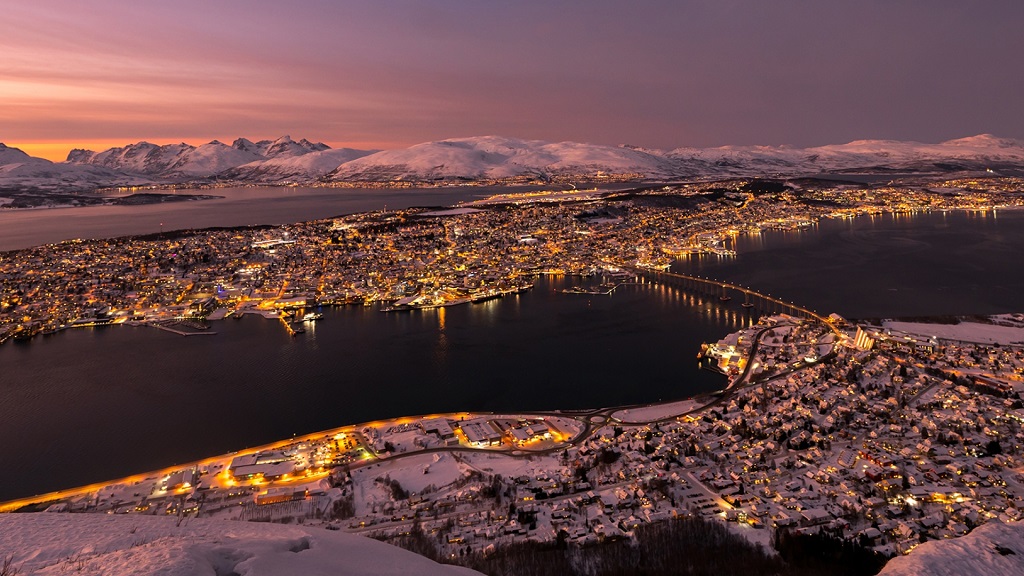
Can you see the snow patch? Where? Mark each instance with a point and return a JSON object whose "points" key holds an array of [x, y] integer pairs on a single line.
{"points": [[994, 548], [965, 332]]}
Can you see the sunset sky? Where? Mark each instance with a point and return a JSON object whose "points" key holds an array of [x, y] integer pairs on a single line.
{"points": [[382, 74]]}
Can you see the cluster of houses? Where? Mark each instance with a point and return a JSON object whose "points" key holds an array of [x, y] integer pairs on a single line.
{"points": [[887, 446], [384, 255], [882, 446]]}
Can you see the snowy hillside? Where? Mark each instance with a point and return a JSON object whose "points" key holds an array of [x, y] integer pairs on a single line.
{"points": [[19, 171], [300, 168], [108, 545], [497, 157], [11, 156], [211, 158], [974, 153], [994, 548]]}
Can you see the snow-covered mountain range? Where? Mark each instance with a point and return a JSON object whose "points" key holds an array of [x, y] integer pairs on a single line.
{"points": [[490, 158], [306, 167], [184, 161], [19, 171]]}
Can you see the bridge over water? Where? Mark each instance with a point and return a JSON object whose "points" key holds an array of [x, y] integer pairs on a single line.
{"points": [[725, 290]]}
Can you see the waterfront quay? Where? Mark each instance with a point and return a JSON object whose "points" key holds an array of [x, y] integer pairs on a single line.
{"points": [[304, 461], [422, 258]]}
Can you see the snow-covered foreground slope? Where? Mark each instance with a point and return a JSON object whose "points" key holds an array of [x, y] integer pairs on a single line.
{"points": [[995, 548], [114, 545]]}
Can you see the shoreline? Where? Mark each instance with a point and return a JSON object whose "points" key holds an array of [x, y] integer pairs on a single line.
{"points": [[588, 420], [170, 193], [13, 505], [90, 200]]}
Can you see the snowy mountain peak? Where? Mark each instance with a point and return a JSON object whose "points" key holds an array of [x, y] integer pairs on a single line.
{"points": [[245, 145], [313, 146], [79, 156], [985, 141], [184, 161], [286, 147], [11, 155]]}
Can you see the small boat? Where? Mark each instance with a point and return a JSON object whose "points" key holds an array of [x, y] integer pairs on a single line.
{"points": [[312, 317]]}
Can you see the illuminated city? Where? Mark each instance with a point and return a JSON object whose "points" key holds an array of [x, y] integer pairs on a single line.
{"points": [[533, 288]]}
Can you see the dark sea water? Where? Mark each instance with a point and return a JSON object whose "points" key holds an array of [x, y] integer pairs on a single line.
{"points": [[98, 403], [93, 404], [953, 263]]}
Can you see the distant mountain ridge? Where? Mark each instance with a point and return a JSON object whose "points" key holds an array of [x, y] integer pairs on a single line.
{"points": [[184, 161], [489, 158]]}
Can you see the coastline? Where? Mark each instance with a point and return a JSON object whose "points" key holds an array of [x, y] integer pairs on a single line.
{"points": [[657, 411]]}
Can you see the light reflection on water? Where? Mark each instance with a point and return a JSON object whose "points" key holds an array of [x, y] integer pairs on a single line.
{"points": [[923, 264], [138, 399], [111, 401]]}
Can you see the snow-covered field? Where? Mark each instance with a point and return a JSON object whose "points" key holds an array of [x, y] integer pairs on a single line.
{"points": [[656, 412], [995, 548], [964, 332], [414, 474], [112, 545]]}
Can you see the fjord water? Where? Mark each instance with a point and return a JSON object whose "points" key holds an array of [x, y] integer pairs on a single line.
{"points": [[238, 206], [241, 206], [98, 403], [93, 404], [884, 266]]}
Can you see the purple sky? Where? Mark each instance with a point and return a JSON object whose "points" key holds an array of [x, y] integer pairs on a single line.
{"points": [[389, 73]]}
